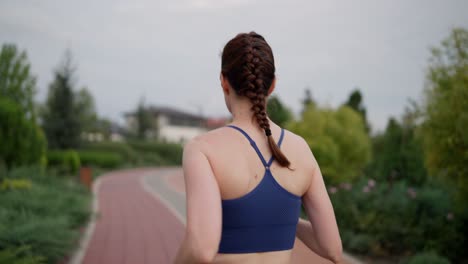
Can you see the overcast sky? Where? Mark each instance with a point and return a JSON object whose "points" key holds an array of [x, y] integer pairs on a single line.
{"points": [[169, 51]]}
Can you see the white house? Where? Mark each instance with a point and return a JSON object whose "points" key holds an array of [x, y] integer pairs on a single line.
{"points": [[173, 125]]}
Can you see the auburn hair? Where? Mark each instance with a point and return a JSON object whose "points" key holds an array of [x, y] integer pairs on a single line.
{"points": [[248, 64]]}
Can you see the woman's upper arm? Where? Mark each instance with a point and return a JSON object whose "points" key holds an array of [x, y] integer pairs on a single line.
{"points": [[320, 212], [202, 198]]}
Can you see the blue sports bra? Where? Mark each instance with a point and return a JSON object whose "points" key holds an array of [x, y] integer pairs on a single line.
{"points": [[264, 219]]}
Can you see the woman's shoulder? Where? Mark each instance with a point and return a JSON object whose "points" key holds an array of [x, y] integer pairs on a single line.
{"points": [[299, 148], [296, 141], [205, 141]]}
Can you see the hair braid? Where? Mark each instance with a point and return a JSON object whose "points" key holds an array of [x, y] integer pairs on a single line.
{"points": [[252, 77]]}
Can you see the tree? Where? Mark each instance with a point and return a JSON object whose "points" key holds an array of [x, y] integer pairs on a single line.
{"points": [[278, 113], [445, 113], [86, 110], [21, 140], [399, 153], [144, 122], [338, 140], [355, 102], [60, 121], [308, 100], [16, 81]]}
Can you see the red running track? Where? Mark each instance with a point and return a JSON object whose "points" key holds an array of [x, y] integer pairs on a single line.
{"points": [[132, 226]]}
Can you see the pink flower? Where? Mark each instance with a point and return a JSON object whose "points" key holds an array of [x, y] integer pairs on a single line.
{"points": [[366, 189], [450, 216], [345, 186], [371, 183], [411, 192], [332, 189]]}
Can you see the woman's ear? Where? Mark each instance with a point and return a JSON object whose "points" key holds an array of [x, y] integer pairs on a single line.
{"points": [[272, 86], [224, 83]]}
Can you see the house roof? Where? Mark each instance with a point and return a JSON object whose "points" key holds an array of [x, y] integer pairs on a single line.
{"points": [[170, 111]]}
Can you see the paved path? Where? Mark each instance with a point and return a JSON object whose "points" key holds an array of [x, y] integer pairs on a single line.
{"points": [[141, 218], [132, 226]]}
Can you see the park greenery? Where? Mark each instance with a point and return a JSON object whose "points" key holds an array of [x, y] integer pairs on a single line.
{"points": [[399, 194], [338, 138], [41, 216], [42, 148]]}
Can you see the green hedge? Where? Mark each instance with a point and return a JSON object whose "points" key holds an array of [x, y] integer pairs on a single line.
{"points": [[100, 159], [46, 217], [140, 153], [171, 153], [124, 150], [69, 161], [111, 155]]}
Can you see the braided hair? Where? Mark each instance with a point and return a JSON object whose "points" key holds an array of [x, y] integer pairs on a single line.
{"points": [[248, 64]]}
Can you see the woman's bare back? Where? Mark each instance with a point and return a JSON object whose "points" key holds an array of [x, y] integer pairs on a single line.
{"points": [[238, 170]]}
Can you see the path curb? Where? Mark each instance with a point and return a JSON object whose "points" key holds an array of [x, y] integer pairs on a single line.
{"points": [[79, 254], [155, 195]]}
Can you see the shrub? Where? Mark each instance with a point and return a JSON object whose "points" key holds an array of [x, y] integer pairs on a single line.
{"points": [[124, 150], [46, 217], [72, 161], [19, 255], [360, 243], [427, 258], [66, 161], [100, 159], [338, 139], [15, 184], [21, 140], [170, 152], [136, 153], [399, 218]]}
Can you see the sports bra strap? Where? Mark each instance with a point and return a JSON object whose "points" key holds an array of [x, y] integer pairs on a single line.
{"points": [[254, 145], [280, 140], [252, 142]]}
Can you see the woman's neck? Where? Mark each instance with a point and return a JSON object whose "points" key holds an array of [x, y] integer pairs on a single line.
{"points": [[242, 115]]}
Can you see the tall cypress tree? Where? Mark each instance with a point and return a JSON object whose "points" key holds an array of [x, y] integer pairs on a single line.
{"points": [[355, 102], [144, 122], [61, 123]]}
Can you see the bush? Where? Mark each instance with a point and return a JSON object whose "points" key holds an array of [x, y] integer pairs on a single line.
{"points": [[67, 162], [15, 184], [100, 159], [171, 153], [427, 258], [21, 140], [395, 219], [338, 139], [19, 255], [46, 217], [72, 161], [124, 150], [152, 159], [137, 153], [360, 243]]}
